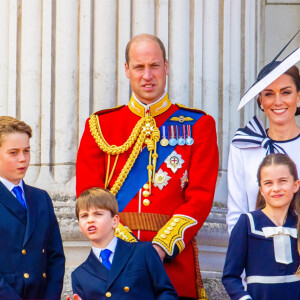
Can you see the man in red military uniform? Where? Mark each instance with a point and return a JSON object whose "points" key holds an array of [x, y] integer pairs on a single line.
{"points": [[161, 162]]}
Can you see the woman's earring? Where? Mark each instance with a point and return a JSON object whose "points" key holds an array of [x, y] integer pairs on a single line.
{"points": [[262, 107], [298, 104]]}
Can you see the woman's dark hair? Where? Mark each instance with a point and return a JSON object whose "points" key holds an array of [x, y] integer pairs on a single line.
{"points": [[293, 72]]}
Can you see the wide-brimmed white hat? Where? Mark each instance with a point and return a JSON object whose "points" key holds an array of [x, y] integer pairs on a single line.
{"points": [[271, 72]]}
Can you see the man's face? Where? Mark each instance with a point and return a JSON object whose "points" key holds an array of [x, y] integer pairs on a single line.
{"points": [[147, 70]]}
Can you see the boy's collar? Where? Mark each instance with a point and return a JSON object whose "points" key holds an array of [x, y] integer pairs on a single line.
{"points": [[9, 185], [111, 246]]}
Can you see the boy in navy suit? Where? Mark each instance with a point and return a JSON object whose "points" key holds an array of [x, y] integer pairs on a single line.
{"points": [[115, 268], [32, 261]]}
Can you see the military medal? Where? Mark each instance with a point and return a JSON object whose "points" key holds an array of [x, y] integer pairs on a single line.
{"points": [[189, 140], [164, 141], [172, 140], [174, 161], [181, 139]]}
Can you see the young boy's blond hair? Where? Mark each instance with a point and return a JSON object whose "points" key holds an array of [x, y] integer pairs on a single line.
{"points": [[11, 125], [97, 198]]}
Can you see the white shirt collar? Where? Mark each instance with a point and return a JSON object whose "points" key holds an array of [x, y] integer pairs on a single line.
{"points": [[111, 246], [148, 105], [9, 185]]}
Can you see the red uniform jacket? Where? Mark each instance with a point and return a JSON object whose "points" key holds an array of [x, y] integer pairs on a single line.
{"points": [[184, 192]]}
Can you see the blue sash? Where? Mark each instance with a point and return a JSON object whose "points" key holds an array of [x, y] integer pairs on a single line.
{"points": [[138, 174]]}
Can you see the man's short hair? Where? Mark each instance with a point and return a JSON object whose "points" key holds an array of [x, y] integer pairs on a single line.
{"points": [[12, 125], [97, 198], [145, 36]]}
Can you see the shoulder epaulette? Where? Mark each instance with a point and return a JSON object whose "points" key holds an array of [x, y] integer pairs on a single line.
{"points": [[191, 109], [104, 111]]}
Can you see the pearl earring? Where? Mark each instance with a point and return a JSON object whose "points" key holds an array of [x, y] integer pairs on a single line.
{"points": [[298, 104], [262, 107]]}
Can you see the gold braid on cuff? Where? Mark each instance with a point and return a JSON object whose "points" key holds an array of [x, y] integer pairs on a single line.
{"points": [[124, 233], [172, 233]]}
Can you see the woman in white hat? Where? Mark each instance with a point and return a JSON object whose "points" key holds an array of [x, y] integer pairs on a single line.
{"points": [[278, 90]]}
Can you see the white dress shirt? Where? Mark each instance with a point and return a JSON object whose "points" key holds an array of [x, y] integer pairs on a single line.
{"points": [[111, 246], [9, 185]]}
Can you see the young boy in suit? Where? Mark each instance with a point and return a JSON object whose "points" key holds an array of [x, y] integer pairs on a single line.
{"points": [[115, 268], [32, 261]]}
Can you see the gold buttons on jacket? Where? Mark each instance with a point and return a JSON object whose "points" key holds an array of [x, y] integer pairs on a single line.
{"points": [[43, 251], [44, 275], [23, 251], [126, 289], [146, 193], [26, 275], [146, 186], [146, 202], [108, 294]]}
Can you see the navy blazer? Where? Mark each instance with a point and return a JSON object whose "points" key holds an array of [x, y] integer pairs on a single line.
{"points": [[136, 273], [32, 260]]}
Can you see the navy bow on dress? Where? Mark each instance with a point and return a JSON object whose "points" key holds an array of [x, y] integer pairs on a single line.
{"points": [[254, 136]]}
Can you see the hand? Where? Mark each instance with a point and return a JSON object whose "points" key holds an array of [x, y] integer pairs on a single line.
{"points": [[75, 296], [161, 252]]}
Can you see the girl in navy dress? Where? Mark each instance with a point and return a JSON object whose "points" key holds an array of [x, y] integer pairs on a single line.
{"points": [[264, 242]]}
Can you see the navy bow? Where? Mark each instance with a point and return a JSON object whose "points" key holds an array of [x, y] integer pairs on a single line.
{"points": [[254, 136]]}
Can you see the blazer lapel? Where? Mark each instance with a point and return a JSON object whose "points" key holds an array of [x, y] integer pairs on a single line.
{"points": [[12, 204], [32, 209], [122, 254], [94, 267]]}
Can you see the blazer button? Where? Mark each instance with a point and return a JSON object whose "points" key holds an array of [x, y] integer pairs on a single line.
{"points": [[126, 289], [23, 251], [43, 251], [44, 275], [108, 294], [26, 275]]}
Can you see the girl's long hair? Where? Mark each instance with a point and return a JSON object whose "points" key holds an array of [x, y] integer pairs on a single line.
{"points": [[281, 159]]}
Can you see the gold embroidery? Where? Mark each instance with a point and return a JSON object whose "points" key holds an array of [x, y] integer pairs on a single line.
{"points": [[155, 109], [123, 233], [176, 227]]}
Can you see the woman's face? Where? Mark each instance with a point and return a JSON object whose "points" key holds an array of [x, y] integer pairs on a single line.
{"points": [[279, 100]]}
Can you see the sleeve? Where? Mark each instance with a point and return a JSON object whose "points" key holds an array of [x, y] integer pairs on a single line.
{"points": [[162, 286], [90, 164], [236, 260], [188, 218], [237, 202], [6, 291], [76, 287], [55, 258]]}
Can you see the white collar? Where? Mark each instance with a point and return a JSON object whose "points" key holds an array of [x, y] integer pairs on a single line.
{"points": [[111, 246], [9, 185]]}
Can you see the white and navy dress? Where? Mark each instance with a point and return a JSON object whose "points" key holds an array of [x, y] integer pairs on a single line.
{"points": [[247, 150], [269, 256]]}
